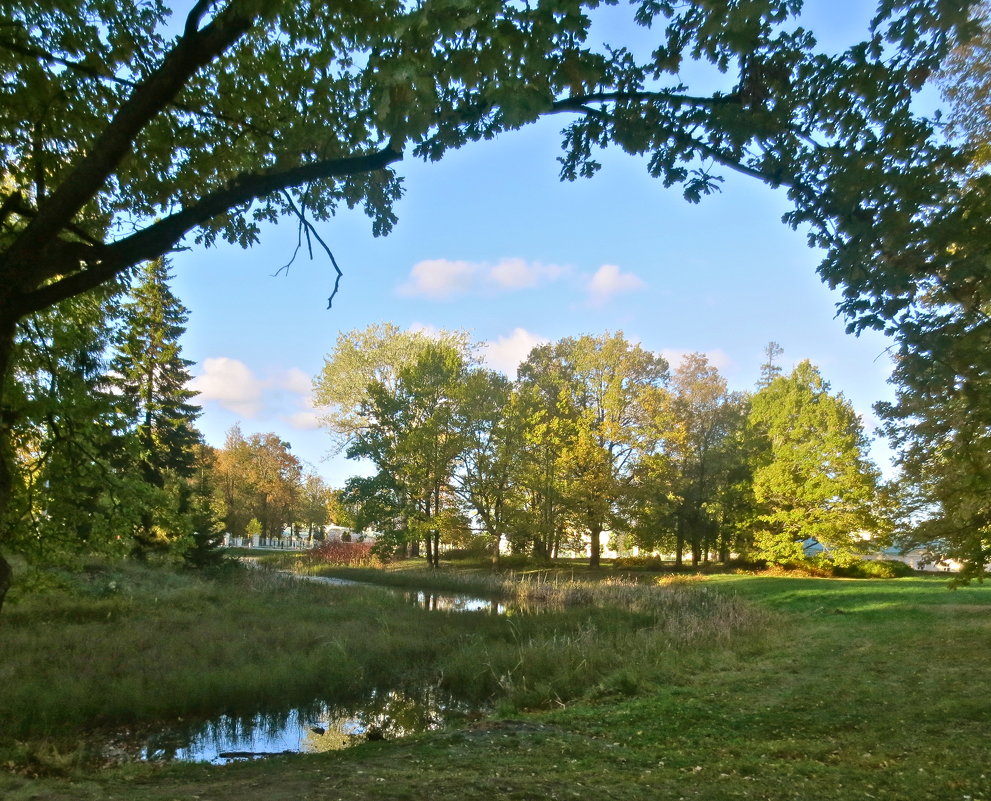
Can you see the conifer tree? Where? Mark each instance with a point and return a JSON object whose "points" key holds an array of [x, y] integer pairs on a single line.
{"points": [[152, 378]]}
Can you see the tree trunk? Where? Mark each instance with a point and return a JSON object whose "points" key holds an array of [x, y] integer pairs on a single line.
{"points": [[8, 329], [679, 546], [6, 576], [595, 534]]}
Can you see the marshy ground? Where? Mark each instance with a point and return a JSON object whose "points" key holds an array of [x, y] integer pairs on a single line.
{"points": [[717, 688]]}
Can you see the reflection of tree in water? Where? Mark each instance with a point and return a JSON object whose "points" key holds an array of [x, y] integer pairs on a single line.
{"points": [[440, 602], [383, 714]]}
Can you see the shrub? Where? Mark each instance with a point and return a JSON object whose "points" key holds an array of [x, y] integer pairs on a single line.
{"points": [[639, 563], [477, 548], [882, 568], [346, 554]]}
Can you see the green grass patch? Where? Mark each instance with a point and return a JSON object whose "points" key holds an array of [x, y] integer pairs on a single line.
{"points": [[841, 689]]}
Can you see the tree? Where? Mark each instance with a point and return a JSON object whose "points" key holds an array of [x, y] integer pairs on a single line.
{"points": [[207, 528], [941, 416], [153, 380], [125, 129], [603, 389], [71, 438], [413, 438], [704, 422], [257, 478], [488, 464], [374, 355], [813, 478]]}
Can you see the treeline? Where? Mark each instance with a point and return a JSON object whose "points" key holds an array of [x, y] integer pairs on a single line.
{"points": [[108, 457], [596, 437]]}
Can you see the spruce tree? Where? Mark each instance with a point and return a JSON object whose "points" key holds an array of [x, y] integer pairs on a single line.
{"points": [[152, 377]]}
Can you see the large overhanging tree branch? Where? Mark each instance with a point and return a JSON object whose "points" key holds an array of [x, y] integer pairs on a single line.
{"points": [[101, 262], [193, 50]]}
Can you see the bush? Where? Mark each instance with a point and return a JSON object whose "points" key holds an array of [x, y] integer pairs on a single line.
{"points": [[639, 563], [869, 568], [345, 554], [477, 548]]}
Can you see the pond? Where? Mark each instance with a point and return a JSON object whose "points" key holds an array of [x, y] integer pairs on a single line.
{"points": [[320, 726], [323, 725], [426, 599]]}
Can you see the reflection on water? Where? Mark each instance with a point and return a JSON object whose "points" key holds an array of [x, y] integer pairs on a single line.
{"points": [[441, 602], [318, 727]]}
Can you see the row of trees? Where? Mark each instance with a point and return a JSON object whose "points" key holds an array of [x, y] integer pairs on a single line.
{"points": [[595, 435], [127, 127], [257, 478]]}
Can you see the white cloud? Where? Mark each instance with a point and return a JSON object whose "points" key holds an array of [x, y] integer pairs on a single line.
{"points": [[296, 381], [717, 358], [443, 279], [521, 274], [231, 384], [440, 279], [506, 353], [609, 281]]}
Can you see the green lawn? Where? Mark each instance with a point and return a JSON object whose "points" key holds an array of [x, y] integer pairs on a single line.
{"points": [[851, 689]]}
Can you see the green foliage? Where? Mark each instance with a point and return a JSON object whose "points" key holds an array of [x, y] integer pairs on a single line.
{"points": [[812, 478], [413, 438], [70, 437], [126, 128], [653, 563], [871, 568], [151, 379]]}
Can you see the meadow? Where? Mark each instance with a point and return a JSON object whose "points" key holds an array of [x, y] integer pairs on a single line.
{"points": [[736, 686]]}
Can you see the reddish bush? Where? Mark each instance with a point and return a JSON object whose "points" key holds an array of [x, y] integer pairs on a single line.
{"points": [[347, 554]]}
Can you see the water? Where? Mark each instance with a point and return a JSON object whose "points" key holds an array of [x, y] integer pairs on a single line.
{"points": [[318, 727]]}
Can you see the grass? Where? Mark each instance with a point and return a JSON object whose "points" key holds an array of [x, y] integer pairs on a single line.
{"points": [[120, 645], [840, 689]]}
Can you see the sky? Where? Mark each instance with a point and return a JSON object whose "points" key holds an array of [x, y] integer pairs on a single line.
{"points": [[489, 240]]}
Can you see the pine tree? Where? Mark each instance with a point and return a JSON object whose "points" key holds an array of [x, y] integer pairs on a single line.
{"points": [[152, 378], [69, 434]]}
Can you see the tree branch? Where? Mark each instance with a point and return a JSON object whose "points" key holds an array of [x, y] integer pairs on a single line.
{"points": [[190, 53], [108, 261]]}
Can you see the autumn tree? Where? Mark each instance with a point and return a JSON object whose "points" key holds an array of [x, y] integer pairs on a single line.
{"points": [[126, 128], [257, 478], [604, 385]]}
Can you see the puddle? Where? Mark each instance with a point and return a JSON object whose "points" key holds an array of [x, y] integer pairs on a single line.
{"points": [[384, 715], [320, 726]]}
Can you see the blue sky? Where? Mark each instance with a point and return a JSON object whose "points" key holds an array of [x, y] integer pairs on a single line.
{"points": [[490, 241]]}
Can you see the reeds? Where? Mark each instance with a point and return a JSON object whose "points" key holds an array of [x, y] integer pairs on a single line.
{"points": [[134, 646]]}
